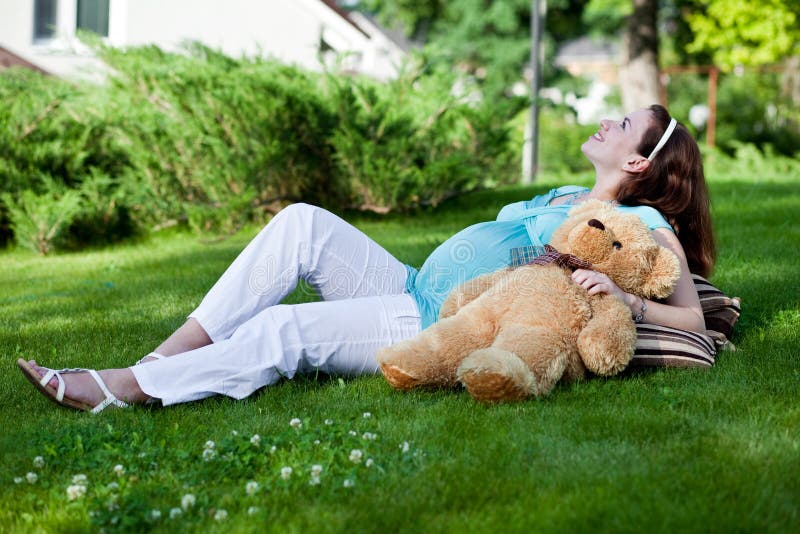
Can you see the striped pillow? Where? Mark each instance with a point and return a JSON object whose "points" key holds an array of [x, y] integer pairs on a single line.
{"points": [[662, 346]]}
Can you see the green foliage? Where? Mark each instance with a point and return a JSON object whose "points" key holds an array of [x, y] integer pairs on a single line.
{"points": [[560, 143], [214, 142], [39, 220], [488, 40], [606, 16], [741, 32], [428, 140], [751, 109]]}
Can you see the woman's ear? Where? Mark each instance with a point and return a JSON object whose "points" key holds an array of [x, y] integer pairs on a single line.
{"points": [[636, 163]]}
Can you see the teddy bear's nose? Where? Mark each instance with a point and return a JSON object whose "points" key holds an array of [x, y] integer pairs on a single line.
{"points": [[594, 223]]}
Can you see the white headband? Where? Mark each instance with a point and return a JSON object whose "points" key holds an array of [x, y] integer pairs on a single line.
{"points": [[664, 138]]}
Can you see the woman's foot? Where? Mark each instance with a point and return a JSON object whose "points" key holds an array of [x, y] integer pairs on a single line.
{"points": [[82, 388]]}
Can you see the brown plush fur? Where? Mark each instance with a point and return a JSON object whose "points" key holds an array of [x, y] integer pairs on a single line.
{"points": [[515, 333]]}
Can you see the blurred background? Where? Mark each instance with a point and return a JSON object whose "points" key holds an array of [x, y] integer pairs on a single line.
{"points": [[122, 117]]}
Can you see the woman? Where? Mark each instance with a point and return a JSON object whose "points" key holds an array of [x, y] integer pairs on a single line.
{"points": [[240, 338]]}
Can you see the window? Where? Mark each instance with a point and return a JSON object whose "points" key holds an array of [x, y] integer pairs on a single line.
{"points": [[44, 19], [93, 16]]}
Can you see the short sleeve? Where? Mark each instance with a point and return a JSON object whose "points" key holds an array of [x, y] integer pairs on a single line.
{"points": [[650, 216]]}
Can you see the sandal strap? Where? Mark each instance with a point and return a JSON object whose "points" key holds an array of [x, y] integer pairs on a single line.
{"points": [[110, 397], [61, 385]]}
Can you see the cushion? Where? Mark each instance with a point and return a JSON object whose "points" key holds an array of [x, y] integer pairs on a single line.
{"points": [[662, 346]]}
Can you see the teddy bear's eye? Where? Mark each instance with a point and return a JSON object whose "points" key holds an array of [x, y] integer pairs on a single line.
{"points": [[617, 245]]}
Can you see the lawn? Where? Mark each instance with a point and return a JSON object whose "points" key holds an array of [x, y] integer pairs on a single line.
{"points": [[664, 451]]}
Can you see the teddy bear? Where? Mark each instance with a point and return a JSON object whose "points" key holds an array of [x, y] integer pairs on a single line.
{"points": [[515, 333]]}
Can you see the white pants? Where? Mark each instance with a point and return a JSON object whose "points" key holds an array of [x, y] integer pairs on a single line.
{"points": [[256, 340]]}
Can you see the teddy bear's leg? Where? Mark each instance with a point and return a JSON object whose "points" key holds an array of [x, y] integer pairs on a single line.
{"points": [[523, 361], [607, 342], [431, 358]]}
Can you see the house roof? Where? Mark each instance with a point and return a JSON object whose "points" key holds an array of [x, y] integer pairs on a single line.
{"points": [[342, 13], [587, 49], [10, 59]]}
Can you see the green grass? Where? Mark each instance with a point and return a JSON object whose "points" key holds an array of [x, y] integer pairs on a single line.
{"points": [[667, 450]]}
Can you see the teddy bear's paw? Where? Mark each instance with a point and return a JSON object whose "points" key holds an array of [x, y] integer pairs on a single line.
{"points": [[495, 375], [398, 378]]}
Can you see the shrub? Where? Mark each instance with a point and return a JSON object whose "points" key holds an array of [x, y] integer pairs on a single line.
{"points": [[211, 141], [39, 220]]}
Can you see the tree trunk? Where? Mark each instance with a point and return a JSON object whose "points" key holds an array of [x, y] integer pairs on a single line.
{"points": [[639, 77]]}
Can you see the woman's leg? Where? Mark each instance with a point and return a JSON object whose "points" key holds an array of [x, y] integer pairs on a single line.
{"points": [[335, 337], [300, 242]]}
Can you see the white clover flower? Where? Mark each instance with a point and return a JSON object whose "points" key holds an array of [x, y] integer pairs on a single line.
{"points": [[187, 501], [18, 480], [369, 436], [175, 513], [356, 455], [255, 440], [119, 470], [234, 433], [251, 487], [366, 415], [209, 445], [80, 480], [316, 469], [316, 442], [38, 462], [253, 510], [75, 491], [155, 515], [142, 454], [220, 515], [295, 423], [404, 446], [328, 421], [369, 463], [347, 483], [209, 454], [273, 449], [315, 481], [353, 433], [31, 477], [286, 472]]}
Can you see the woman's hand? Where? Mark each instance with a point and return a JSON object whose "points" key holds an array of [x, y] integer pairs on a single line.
{"points": [[594, 283]]}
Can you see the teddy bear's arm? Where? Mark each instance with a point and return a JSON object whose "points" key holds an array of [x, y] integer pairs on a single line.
{"points": [[607, 342], [469, 291]]}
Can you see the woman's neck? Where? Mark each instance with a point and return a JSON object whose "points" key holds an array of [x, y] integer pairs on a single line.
{"points": [[605, 187]]}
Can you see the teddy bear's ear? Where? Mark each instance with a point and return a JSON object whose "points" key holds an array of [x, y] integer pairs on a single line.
{"points": [[666, 271]]}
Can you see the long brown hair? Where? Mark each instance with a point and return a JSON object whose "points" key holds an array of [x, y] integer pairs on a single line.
{"points": [[675, 185]]}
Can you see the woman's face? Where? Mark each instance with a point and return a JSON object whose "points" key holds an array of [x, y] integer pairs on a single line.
{"points": [[615, 142]]}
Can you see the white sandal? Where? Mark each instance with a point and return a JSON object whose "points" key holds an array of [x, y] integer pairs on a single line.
{"points": [[57, 394], [155, 355]]}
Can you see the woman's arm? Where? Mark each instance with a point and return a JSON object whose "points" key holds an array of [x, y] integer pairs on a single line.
{"points": [[681, 310]]}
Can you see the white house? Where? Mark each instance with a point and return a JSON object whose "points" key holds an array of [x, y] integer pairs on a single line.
{"points": [[301, 32]]}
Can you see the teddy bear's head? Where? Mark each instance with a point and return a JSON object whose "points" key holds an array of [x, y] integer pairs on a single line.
{"points": [[619, 245]]}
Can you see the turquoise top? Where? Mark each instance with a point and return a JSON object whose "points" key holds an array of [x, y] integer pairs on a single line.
{"points": [[484, 247]]}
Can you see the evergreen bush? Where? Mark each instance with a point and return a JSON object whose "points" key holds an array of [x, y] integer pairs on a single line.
{"points": [[210, 141]]}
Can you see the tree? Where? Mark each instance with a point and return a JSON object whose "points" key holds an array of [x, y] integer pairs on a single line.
{"points": [[639, 72], [742, 32], [490, 39]]}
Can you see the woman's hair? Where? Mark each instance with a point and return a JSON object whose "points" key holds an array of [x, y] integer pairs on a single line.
{"points": [[674, 184]]}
